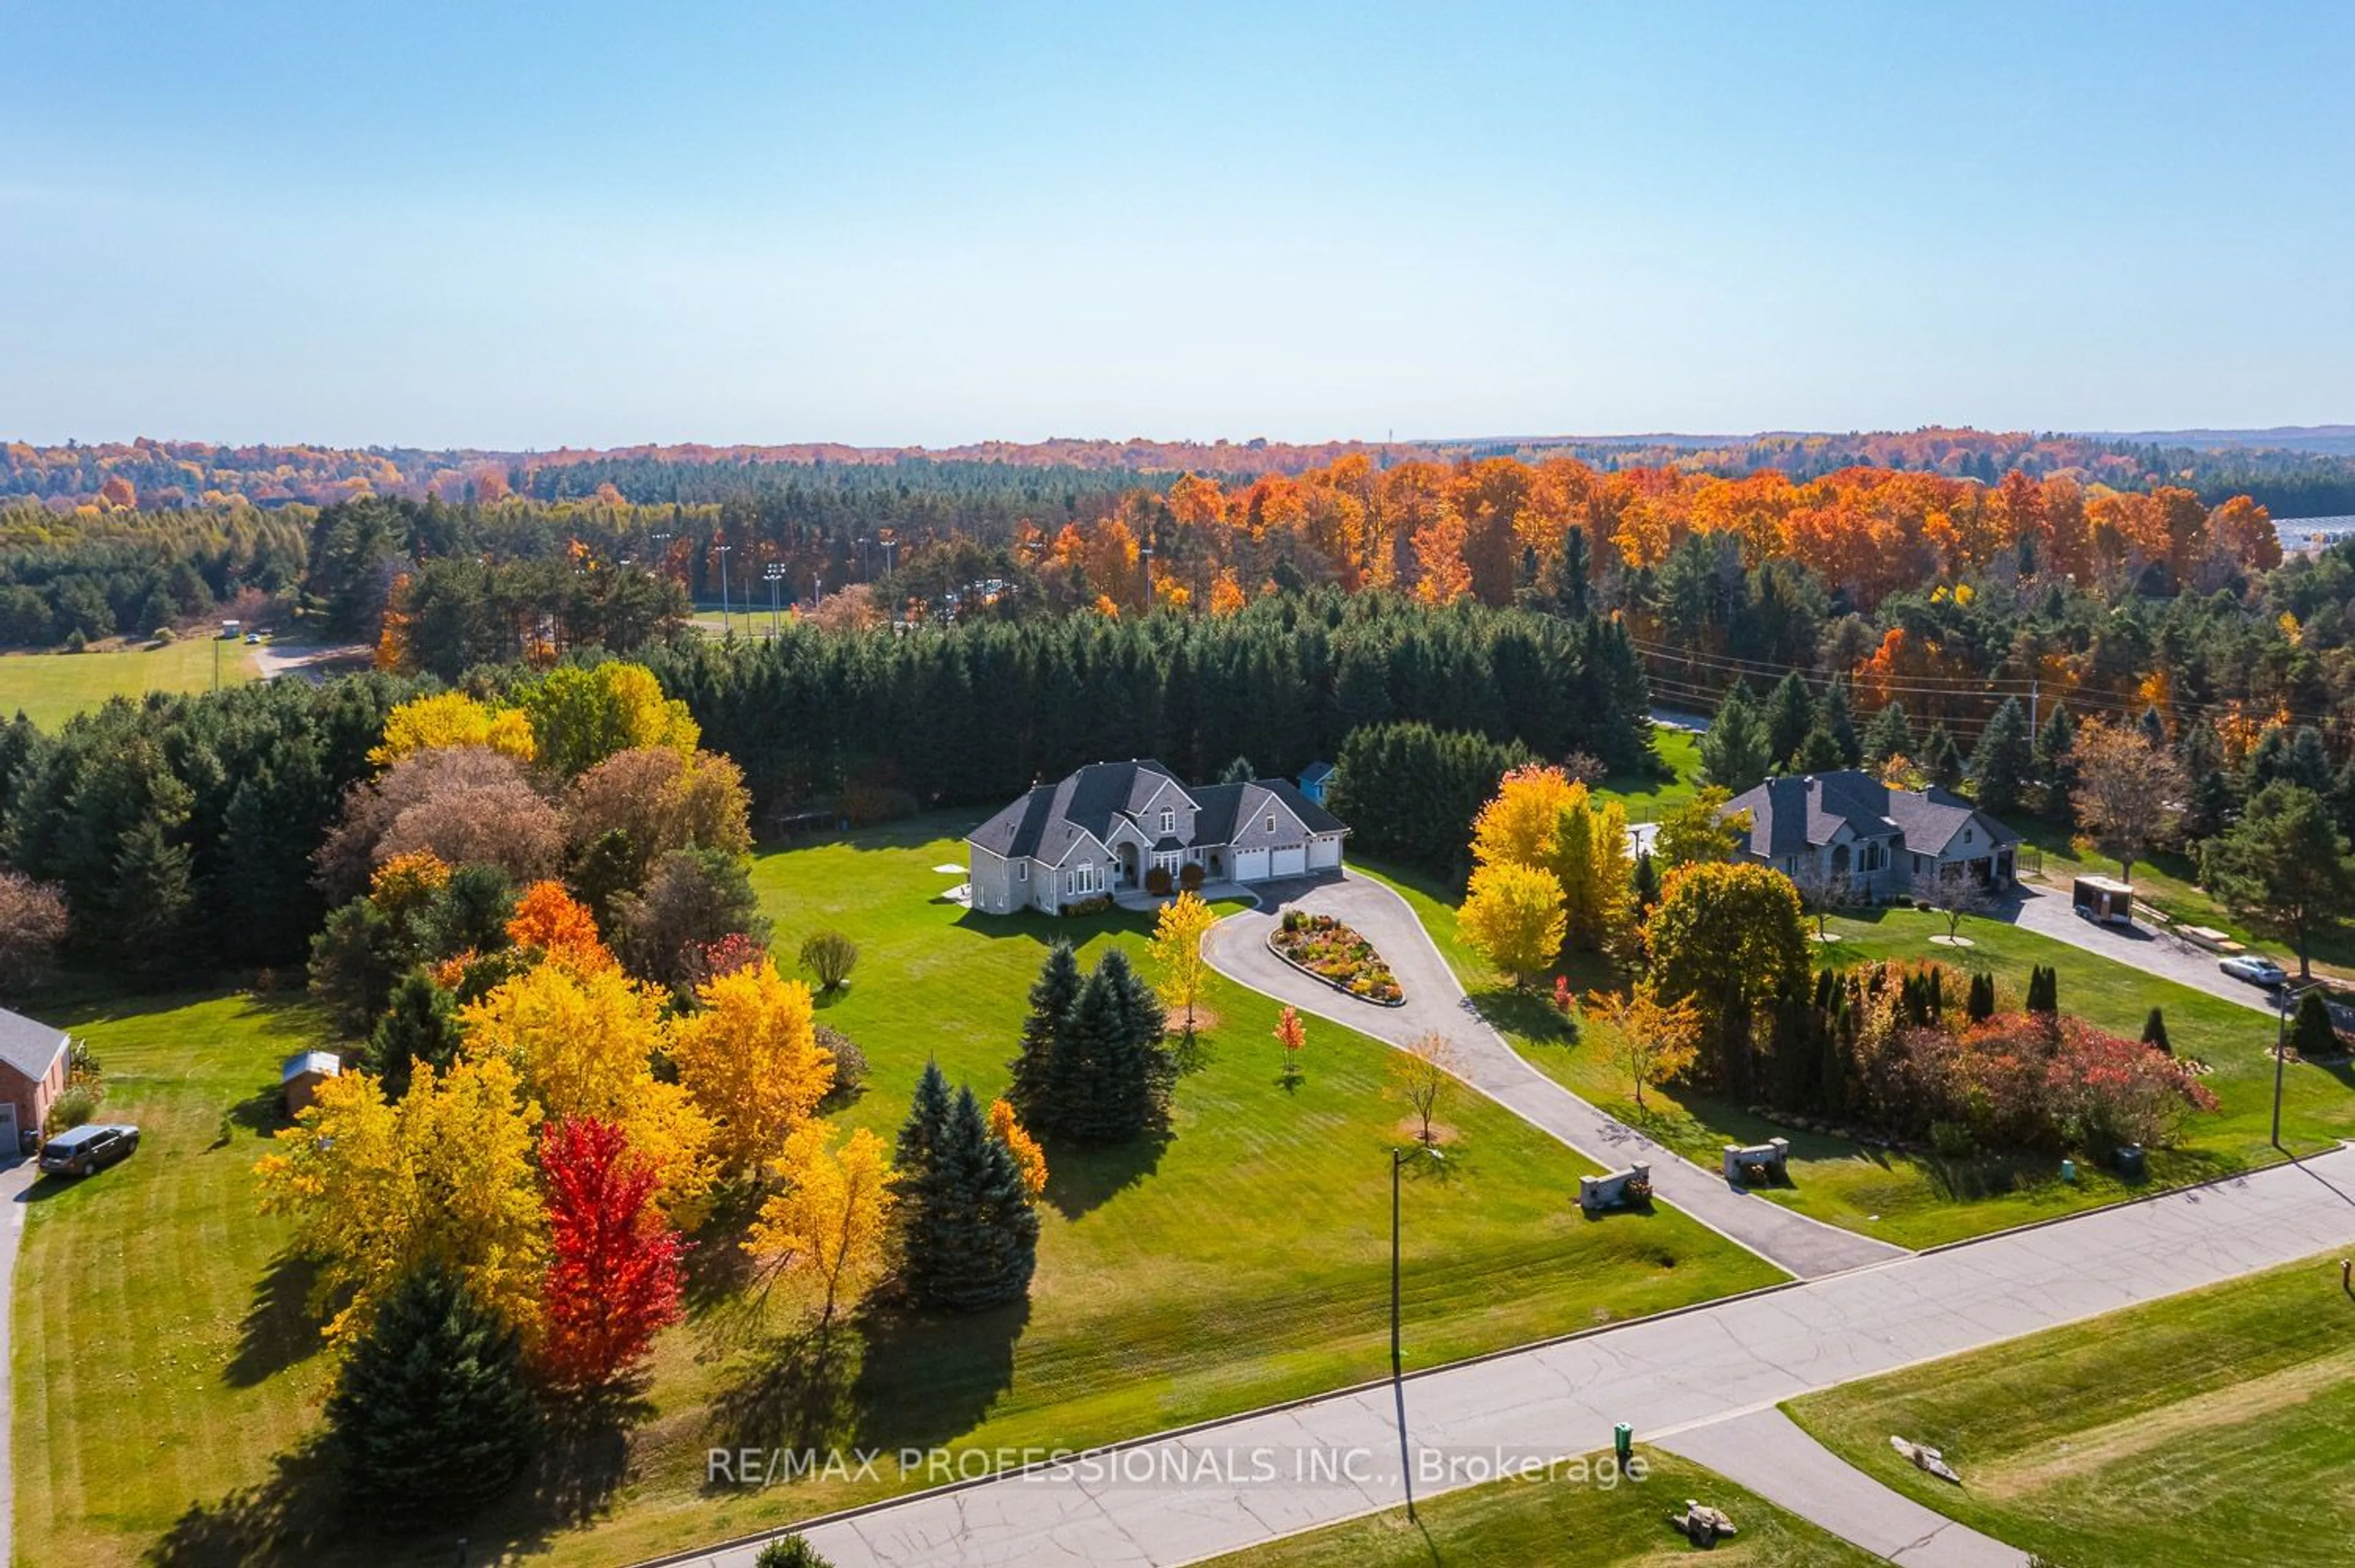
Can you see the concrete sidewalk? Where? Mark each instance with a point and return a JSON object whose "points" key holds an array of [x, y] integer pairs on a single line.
{"points": [[1236, 1484], [1435, 1002]]}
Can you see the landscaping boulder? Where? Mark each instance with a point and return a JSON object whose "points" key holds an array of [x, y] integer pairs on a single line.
{"points": [[1702, 1525], [1924, 1457]]}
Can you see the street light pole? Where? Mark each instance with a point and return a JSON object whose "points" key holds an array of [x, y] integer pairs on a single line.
{"points": [[2282, 1000], [1398, 1375], [723, 550], [775, 573]]}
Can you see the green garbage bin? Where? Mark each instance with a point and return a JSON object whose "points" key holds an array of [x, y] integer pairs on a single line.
{"points": [[2068, 1170], [1623, 1441]]}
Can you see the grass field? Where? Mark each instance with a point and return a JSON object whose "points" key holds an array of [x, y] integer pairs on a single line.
{"points": [[1920, 1200], [1540, 1524], [1646, 797], [53, 687], [166, 1366], [2216, 1427]]}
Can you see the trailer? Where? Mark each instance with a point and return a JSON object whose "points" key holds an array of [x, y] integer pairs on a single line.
{"points": [[2103, 901]]}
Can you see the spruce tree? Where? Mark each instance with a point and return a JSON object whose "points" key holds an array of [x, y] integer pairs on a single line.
{"points": [[1144, 1070], [2313, 1034], [1980, 1004], [420, 1025], [1820, 751], [1836, 713], [1646, 883], [1051, 994], [1889, 735], [2154, 1032], [431, 1411], [971, 1237], [1790, 715], [2152, 727], [1941, 758], [1083, 1096], [2056, 769], [2001, 765], [1734, 750]]}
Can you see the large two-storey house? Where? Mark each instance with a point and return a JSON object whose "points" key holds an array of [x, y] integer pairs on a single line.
{"points": [[1109, 825], [1849, 833]]}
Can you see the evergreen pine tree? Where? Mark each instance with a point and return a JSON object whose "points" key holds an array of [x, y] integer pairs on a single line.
{"points": [[2001, 765], [2313, 1034], [154, 889], [1889, 735], [1144, 1070], [2056, 768], [1646, 880], [420, 1025], [1836, 713], [2152, 727], [1820, 751], [431, 1411], [1941, 758], [973, 1241], [1980, 1004], [1790, 715], [2043, 990], [2154, 1032], [1734, 750], [1051, 994], [1240, 771]]}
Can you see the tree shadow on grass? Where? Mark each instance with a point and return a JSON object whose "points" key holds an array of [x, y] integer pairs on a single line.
{"points": [[584, 1457], [717, 1269], [260, 1113], [278, 1330], [1080, 1178], [289, 1519], [792, 1391], [926, 1379]]}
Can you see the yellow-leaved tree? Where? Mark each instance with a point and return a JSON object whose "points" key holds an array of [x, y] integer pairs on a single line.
{"points": [[1591, 862], [583, 1043], [1651, 1041], [1029, 1158], [828, 1223], [1512, 917], [581, 717], [445, 1175], [1519, 823], [750, 1057], [451, 719], [1177, 933]]}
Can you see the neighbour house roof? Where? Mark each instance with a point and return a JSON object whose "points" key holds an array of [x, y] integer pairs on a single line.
{"points": [[30, 1046], [1793, 812], [1315, 772], [326, 1063]]}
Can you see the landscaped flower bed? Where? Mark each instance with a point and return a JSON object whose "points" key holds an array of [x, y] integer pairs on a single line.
{"points": [[1320, 946]]}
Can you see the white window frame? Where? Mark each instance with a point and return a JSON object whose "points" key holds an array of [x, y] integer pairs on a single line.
{"points": [[1022, 870], [1168, 819]]}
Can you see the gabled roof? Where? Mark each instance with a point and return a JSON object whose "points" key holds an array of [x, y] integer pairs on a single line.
{"points": [[1051, 818], [326, 1063], [30, 1046], [1793, 812], [1316, 772], [1237, 813]]}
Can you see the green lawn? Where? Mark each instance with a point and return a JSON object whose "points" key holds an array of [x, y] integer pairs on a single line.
{"points": [[2216, 1427], [53, 687], [162, 1356], [1646, 796], [1526, 1523], [1243, 1261], [1920, 1200]]}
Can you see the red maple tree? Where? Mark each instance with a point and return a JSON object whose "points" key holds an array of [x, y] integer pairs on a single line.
{"points": [[613, 1271]]}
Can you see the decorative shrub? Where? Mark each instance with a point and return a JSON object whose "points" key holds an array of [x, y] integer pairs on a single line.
{"points": [[1157, 881], [72, 1109], [1189, 877], [1096, 905], [792, 1552], [1333, 952], [849, 1065], [829, 955]]}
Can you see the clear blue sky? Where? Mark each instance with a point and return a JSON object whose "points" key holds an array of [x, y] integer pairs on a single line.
{"points": [[597, 223]]}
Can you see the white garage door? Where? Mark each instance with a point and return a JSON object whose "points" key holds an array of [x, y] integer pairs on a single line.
{"points": [[1290, 862], [1250, 865], [1324, 852]]}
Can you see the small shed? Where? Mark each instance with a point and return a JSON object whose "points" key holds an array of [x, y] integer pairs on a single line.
{"points": [[1314, 780], [299, 1080], [33, 1065], [2104, 899]]}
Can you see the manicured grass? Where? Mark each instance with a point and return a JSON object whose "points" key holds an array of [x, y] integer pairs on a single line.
{"points": [[53, 687], [162, 1353], [1519, 1523], [1918, 1200], [1243, 1259], [1645, 797], [2215, 1427]]}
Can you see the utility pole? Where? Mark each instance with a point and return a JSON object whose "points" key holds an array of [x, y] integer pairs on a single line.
{"points": [[1398, 1377], [723, 550], [2034, 706]]}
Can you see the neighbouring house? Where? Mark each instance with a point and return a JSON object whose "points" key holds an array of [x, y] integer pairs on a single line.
{"points": [[300, 1078], [1314, 780], [33, 1066], [1106, 829], [1852, 834]]}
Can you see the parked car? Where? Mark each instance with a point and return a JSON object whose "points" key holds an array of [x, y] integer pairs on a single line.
{"points": [[79, 1151], [252, 639], [2256, 971]]}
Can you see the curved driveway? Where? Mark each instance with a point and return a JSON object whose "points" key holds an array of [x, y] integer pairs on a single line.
{"points": [[1237, 948]]}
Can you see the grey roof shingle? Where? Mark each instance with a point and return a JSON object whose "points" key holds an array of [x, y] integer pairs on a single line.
{"points": [[1790, 812], [1050, 818], [30, 1046]]}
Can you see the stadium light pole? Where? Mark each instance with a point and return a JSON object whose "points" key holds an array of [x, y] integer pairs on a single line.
{"points": [[722, 551]]}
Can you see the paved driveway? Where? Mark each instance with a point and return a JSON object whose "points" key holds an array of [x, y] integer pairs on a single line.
{"points": [[1237, 947], [1689, 1382], [2048, 913]]}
